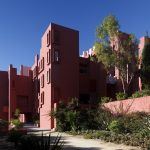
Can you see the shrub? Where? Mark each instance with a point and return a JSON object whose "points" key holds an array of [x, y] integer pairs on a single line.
{"points": [[103, 117], [3, 126], [141, 93], [16, 123], [121, 96], [14, 136], [105, 99], [40, 143], [116, 126]]}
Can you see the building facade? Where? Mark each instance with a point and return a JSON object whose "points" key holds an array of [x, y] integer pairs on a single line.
{"points": [[58, 74]]}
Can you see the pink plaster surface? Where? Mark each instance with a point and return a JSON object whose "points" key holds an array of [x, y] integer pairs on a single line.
{"points": [[141, 104]]}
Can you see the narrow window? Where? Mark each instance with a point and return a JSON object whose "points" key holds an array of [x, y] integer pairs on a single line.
{"points": [[48, 76], [42, 97], [56, 36], [48, 38], [13, 83], [48, 57], [56, 56], [42, 81]]}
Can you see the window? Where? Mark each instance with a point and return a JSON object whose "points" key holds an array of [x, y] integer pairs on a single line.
{"points": [[13, 83], [56, 56], [92, 85], [35, 72], [48, 57], [83, 68], [42, 81], [48, 76], [22, 102], [48, 38], [41, 64], [84, 98], [56, 36], [42, 97]]}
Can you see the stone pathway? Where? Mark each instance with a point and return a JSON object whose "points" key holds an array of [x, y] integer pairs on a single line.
{"points": [[75, 143], [79, 143]]}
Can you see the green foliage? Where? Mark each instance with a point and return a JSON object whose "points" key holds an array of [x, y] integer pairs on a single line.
{"points": [[145, 69], [125, 56], [40, 143], [121, 96], [33, 142], [103, 117], [141, 93], [14, 136], [3, 127], [16, 123], [3, 123], [17, 113], [73, 117], [105, 99], [116, 126], [119, 138]]}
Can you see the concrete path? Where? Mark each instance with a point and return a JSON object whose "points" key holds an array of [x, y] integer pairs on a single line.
{"points": [[79, 143]]}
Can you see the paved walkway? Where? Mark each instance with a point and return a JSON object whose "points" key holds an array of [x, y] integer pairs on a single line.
{"points": [[79, 143]]}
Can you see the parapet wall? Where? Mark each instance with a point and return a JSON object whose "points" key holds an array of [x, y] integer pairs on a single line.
{"points": [[141, 104]]}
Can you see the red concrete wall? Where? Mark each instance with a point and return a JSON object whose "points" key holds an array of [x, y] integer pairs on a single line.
{"points": [[92, 79], [4, 95], [64, 74], [141, 104], [20, 94]]}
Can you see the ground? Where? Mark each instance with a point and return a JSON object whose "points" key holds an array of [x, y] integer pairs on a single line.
{"points": [[75, 143], [79, 143]]}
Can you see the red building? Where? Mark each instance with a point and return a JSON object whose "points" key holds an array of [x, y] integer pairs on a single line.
{"points": [[58, 74], [62, 74]]}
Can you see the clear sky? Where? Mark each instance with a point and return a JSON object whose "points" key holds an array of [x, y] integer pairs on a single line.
{"points": [[22, 23]]}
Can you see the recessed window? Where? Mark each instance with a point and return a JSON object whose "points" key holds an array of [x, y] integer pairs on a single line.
{"points": [[48, 56], [84, 68], [48, 76], [42, 81], [56, 37], [13, 83], [41, 64], [42, 97], [56, 56], [48, 38]]}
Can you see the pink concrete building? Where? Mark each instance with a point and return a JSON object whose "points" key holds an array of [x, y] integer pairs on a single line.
{"points": [[58, 74], [16, 91], [63, 75]]}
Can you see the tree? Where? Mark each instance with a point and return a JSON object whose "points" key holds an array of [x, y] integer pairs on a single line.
{"points": [[145, 66], [121, 55]]}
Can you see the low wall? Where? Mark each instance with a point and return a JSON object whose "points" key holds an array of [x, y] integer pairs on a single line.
{"points": [[141, 104]]}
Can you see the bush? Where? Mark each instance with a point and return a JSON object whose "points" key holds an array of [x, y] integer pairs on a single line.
{"points": [[128, 139], [141, 93], [14, 136], [31, 142], [3, 127], [116, 126], [121, 96], [105, 99], [16, 123]]}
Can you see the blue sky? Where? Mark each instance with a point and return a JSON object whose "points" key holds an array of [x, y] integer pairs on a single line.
{"points": [[22, 23]]}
